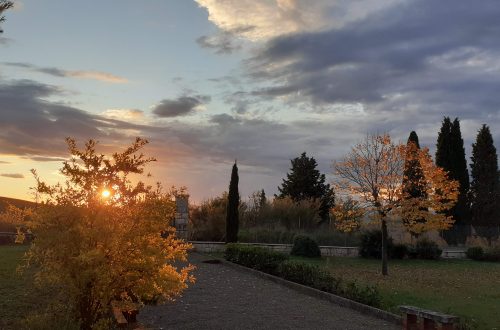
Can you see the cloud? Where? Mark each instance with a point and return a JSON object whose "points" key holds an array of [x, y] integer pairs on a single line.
{"points": [[12, 175], [45, 159], [224, 41], [272, 18], [93, 75], [4, 162], [124, 114], [181, 106]]}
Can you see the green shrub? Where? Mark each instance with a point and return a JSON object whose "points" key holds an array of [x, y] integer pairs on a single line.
{"points": [[475, 253], [255, 257], [398, 251], [492, 254], [310, 275], [305, 246], [371, 244], [426, 249], [368, 295]]}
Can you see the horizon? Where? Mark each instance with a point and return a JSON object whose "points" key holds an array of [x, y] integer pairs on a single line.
{"points": [[207, 82]]}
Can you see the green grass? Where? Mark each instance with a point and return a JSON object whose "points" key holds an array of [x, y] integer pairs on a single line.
{"points": [[465, 288]]}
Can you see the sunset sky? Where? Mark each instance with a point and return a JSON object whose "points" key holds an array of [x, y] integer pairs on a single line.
{"points": [[260, 81]]}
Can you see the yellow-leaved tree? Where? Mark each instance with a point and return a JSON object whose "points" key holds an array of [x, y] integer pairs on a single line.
{"points": [[100, 237], [373, 173]]}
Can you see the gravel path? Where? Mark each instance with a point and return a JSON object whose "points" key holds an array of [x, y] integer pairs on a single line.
{"points": [[226, 298]]}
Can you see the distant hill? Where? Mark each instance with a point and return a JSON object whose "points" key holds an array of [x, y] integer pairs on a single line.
{"points": [[4, 201]]}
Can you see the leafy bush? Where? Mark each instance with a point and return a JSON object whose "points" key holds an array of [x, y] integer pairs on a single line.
{"points": [[492, 254], [368, 295], [305, 246], [475, 253], [398, 251], [426, 249], [310, 275], [371, 244], [255, 257]]}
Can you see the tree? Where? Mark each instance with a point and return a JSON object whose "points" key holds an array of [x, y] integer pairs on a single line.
{"points": [[233, 202], [4, 5], [450, 155], [99, 237], [373, 172], [347, 215], [304, 182], [485, 186], [413, 182]]}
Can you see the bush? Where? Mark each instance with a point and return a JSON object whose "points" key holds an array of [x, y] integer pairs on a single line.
{"points": [[398, 251], [426, 249], [255, 257], [492, 254], [305, 246], [371, 244], [475, 253], [310, 275], [368, 295]]}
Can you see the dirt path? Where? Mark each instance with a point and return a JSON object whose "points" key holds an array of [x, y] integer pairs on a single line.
{"points": [[226, 298]]}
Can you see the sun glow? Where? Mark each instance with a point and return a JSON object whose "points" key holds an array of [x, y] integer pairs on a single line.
{"points": [[105, 193]]}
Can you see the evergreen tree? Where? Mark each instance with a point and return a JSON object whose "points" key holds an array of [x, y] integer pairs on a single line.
{"points": [[485, 186], [304, 181], [262, 199], [233, 201], [413, 180], [450, 155]]}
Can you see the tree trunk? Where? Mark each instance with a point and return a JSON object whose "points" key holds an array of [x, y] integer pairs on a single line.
{"points": [[384, 247]]}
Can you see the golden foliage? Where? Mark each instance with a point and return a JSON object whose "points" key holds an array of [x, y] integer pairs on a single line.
{"points": [[97, 250], [347, 215]]}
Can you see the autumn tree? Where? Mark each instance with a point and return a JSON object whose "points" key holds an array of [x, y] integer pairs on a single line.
{"points": [[233, 202], [450, 155], [4, 5], [347, 215], [413, 181], [485, 186], [373, 172], [305, 182], [99, 237]]}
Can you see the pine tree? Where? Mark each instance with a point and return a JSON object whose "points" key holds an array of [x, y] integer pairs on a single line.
{"points": [[262, 199], [413, 181], [233, 199], [485, 186], [304, 181], [450, 155]]}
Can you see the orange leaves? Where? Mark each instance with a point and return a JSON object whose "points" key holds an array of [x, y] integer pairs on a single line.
{"points": [[347, 215]]}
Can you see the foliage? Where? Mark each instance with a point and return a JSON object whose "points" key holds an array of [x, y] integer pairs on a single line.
{"points": [[492, 254], [450, 155], [371, 244], [304, 182], [255, 212], [398, 251], [413, 181], [373, 172], [304, 246], [97, 248], [302, 214], [475, 253], [233, 201], [4, 5], [254, 257], [347, 215], [15, 219], [208, 220], [485, 186], [365, 294], [310, 275], [426, 249]]}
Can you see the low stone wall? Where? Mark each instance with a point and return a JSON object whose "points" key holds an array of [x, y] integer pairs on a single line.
{"points": [[454, 253], [330, 251]]}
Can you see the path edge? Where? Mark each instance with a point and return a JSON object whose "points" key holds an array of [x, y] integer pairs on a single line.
{"points": [[338, 300]]}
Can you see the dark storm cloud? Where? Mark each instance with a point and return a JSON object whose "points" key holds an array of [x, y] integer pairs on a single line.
{"points": [[181, 106], [30, 125], [426, 51], [12, 175]]}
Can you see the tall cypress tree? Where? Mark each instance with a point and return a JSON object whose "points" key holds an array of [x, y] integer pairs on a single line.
{"points": [[413, 179], [485, 186], [450, 155], [233, 202]]}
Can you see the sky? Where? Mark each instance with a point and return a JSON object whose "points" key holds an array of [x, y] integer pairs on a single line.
{"points": [[208, 82]]}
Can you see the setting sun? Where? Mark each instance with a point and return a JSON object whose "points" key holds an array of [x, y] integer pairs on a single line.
{"points": [[105, 193]]}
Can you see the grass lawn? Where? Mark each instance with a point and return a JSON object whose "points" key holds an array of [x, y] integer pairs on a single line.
{"points": [[469, 289], [18, 296]]}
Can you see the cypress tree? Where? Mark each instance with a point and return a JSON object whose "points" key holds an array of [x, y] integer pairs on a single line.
{"points": [[304, 181], [413, 178], [450, 155], [485, 186], [233, 201]]}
